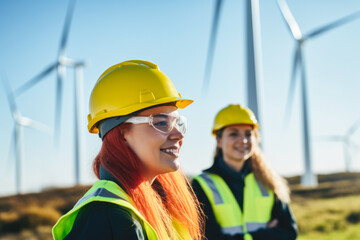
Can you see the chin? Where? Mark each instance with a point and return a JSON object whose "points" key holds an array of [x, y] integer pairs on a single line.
{"points": [[173, 166]]}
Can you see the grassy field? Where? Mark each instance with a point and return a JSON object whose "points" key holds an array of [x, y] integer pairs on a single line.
{"points": [[330, 211], [330, 219]]}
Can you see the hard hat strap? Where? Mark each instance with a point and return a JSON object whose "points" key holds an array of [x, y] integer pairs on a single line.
{"points": [[109, 123]]}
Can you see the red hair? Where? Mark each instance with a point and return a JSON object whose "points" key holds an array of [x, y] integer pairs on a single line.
{"points": [[169, 199]]}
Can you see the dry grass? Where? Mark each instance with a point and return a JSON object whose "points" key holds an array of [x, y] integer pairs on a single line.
{"points": [[31, 216], [328, 212]]}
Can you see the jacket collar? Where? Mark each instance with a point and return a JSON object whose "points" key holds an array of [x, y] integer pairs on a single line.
{"points": [[221, 168], [105, 175]]}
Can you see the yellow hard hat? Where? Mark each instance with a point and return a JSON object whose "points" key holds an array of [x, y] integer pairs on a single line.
{"points": [[234, 114], [128, 87]]}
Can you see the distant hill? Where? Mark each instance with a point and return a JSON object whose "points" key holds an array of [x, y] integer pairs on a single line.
{"points": [[330, 186], [31, 216]]}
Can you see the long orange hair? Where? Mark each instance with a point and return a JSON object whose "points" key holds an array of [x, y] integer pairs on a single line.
{"points": [[169, 199], [262, 170]]}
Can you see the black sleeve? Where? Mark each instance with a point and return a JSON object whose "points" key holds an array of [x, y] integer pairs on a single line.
{"points": [[212, 228], [102, 220], [286, 228]]}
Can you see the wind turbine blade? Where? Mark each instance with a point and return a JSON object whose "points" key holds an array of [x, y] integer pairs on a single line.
{"points": [[289, 19], [333, 24], [353, 128], [66, 28], [35, 79], [9, 95], [27, 122], [211, 47], [292, 85], [347, 157]]}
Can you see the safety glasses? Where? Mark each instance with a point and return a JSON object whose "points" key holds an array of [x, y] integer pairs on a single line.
{"points": [[162, 122]]}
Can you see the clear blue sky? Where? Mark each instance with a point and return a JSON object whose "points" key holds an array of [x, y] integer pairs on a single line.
{"points": [[175, 35]]}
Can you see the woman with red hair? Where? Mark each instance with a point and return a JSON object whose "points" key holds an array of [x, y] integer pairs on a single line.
{"points": [[141, 193]]}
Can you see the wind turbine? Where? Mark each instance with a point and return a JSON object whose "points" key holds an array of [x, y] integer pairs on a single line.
{"points": [[308, 178], [348, 143], [253, 53], [20, 122], [59, 65]]}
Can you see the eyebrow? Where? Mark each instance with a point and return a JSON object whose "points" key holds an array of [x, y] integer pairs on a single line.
{"points": [[233, 129]]}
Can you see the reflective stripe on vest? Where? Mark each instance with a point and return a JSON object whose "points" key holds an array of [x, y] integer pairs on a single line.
{"points": [[106, 191], [258, 203], [101, 192]]}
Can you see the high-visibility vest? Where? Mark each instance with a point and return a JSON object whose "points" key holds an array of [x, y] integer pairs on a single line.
{"points": [[108, 191], [258, 203]]}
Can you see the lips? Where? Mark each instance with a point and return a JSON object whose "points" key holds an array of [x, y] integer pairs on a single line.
{"points": [[173, 151], [242, 149]]}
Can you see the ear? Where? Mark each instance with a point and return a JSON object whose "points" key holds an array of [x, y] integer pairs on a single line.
{"points": [[218, 141], [124, 136]]}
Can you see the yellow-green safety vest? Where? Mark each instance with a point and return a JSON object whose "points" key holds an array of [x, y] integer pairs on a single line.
{"points": [[108, 191], [258, 203]]}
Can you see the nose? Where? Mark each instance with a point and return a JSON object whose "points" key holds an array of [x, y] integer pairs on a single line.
{"points": [[243, 139], [176, 134]]}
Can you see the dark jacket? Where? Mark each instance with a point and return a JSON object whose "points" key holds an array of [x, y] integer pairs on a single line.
{"points": [[106, 221], [286, 228]]}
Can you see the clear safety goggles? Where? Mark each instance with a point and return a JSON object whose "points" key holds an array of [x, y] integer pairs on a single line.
{"points": [[162, 122]]}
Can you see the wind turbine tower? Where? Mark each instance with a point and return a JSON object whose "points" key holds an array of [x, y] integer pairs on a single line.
{"points": [[78, 113], [253, 53]]}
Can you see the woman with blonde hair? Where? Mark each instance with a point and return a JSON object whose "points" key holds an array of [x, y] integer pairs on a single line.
{"points": [[141, 192], [242, 197]]}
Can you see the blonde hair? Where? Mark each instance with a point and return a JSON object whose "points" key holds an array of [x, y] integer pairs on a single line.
{"points": [[262, 170]]}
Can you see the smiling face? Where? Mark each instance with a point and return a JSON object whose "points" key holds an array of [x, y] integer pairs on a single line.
{"points": [[237, 144], [157, 151]]}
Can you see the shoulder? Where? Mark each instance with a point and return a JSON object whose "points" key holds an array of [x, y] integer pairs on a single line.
{"points": [[105, 221], [207, 177], [100, 208]]}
